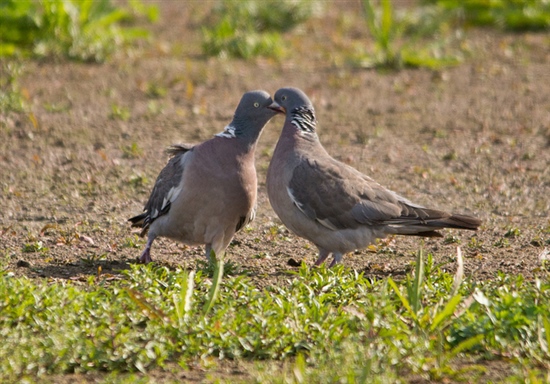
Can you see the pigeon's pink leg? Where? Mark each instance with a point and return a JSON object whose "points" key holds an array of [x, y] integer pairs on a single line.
{"points": [[323, 254], [145, 257], [337, 258]]}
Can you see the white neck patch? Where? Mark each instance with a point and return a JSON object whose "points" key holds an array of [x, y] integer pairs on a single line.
{"points": [[303, 118], [228, 132]]}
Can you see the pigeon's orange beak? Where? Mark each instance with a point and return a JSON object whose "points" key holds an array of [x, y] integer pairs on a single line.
{"points": [[276, 107]]}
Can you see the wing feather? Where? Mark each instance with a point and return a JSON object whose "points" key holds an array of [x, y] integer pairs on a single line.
{"points": [[339, 197], [167, 188]]}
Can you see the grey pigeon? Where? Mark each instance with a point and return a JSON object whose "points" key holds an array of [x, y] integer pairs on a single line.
{"points": [[331, 204], [207, 192]]}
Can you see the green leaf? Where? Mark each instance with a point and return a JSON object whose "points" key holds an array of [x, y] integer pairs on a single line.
{"points": [[216, 281], [183, 299], [446, 313], [467, 344], [387, 26], [547, 332], [404, 301]]}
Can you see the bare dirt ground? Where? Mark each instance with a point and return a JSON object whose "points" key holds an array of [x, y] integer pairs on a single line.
{"points": [[474, 138]]}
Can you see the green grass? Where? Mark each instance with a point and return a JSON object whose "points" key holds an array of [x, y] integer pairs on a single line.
{"points": [[11, 98], [405, 39], [85, 30], [423, 36], [132, 151], [250, 28], [426, 325], [119, 113], [515, 15]]}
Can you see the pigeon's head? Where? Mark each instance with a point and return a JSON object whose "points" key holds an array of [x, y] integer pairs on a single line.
{"points": [[289, 99], [253, 111], [297, 107]]}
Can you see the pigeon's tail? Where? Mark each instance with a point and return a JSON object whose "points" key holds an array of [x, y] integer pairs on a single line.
{"points": [[458, 221], [178, 149], [140, 221], [430, 221], [137, 221]]}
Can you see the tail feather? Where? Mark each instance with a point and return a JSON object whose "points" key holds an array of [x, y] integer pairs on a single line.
{"points": [[139, 221], [425, 234], [430, 222], [177, 149], [456, 221]]}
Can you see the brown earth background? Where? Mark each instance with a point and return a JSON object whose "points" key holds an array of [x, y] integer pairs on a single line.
{"points": [[473, 138]]}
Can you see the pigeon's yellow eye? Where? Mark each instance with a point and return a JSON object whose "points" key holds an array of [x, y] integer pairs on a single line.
{"points": [[256, 105], [283, 98]]}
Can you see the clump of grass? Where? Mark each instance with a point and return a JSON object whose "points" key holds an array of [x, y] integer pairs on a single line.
{"points": [[34, 246], [423, 326], [416, 38], [515, 15], [119, 112], [250, 28], [512, 232], [11, 98], [136, 180], [154, 90], [395, 44], [85, 30], [384, 30], [132, 242], [132, 151]]}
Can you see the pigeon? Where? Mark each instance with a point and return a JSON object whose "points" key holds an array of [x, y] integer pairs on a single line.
{"points": [[332, 204], [207, 192]]}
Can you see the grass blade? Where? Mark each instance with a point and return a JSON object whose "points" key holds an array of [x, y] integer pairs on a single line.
{"points": [[547, 331], [459, 275], [403, 299], [466, 344], [415, 291], [386, 25], [190, 284], [446, 312], [370, 18], [216, 282], [148, 309], [183, 300]]}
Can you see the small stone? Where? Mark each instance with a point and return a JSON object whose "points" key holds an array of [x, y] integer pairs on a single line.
{"points": [[23, 264], [294, 263]]}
